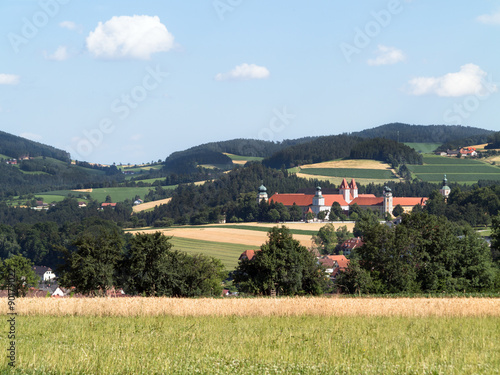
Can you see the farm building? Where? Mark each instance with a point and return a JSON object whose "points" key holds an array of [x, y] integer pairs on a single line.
{"points": [[347, 196]]}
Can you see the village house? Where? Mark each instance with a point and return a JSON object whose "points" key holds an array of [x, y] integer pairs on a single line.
{"points": [[349, 245], [111, 205], [334, 264], [44, 273]]}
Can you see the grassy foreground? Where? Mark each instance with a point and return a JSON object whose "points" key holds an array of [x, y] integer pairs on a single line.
{"points": [[256, 336]]}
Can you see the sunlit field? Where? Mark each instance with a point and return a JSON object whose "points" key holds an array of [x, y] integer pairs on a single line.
{"points": [[256, 336]]}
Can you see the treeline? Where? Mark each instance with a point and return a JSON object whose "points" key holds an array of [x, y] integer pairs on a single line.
{"points": [[475, 207], [188, 161], [423, 254], [66, 211], [425, 133], [16, 147], [344, 146], [493, 141], [209, 202], [385, 150], [50, 176]]}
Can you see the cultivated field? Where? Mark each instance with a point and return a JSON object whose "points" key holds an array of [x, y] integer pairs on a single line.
{"points": [[464, 170], [150, 205], [255, 336], [364, 171]]}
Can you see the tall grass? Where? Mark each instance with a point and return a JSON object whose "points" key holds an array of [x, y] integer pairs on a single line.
{"points": [[255, 345], [262, 307]]}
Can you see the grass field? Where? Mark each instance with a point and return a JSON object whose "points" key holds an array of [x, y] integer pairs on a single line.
{"points": [[255, 336], [424, 148], [119, 194], [462, 170], [228, 253]]}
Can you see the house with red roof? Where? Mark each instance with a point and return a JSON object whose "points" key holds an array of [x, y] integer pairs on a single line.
{"points": [[248, 254], [349, 245], [334, 264]]}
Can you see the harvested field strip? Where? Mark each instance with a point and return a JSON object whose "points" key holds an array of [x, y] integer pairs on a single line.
{"points": [[228, 253], [350, 164], [149, 205], [338, 180], [315, 226], [259, 229], [286, 306], [349, 173]]}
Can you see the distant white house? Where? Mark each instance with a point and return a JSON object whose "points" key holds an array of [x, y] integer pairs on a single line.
{"points": [[44, 273]]}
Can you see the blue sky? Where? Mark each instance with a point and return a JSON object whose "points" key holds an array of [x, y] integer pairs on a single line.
{"points": [[133, 81]]}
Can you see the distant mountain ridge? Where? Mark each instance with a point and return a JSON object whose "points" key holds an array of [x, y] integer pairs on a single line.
{"points": [[17, 147]]}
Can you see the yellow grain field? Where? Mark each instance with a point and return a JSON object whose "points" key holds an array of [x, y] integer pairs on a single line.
{"points": [[152, 204], [350, 164], [261, 307]]}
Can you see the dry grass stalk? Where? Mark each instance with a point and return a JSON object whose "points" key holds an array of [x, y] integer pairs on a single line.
{"points": [[141, 306]]}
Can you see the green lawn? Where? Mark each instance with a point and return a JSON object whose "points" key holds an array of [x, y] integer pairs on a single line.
{"points": [[119, 194], [350, 173], [253, 345], [226, 252], [424, 148], [244, 158]]}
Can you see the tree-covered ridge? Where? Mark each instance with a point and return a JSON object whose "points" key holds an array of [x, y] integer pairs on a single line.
{"points": [[316, 151], [424, 133], [16, 147], [344, 146], [244, 147], [385, 150], [49, 174], [189, 160], [493, 141]]}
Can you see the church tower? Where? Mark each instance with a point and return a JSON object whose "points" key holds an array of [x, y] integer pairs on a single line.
{"points": [[262, 194], [445, 190], [387, 208], [345, 191]]}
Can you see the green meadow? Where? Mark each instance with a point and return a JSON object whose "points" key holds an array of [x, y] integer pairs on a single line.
{"points": [[424, 148], [228, 253], [253, 345]]}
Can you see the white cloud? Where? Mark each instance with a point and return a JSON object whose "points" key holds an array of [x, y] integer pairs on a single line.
{"points": [[490, 19], [134, 37], [31, 136], [60, 54], [9, 79], [387, 56], [470, 80], [70, 25], [244, 72]]}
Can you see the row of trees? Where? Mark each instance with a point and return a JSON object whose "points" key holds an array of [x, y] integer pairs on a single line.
{"points": [[145, 264], [425, 253]]}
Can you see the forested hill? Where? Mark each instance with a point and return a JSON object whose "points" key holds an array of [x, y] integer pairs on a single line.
{"points": [[344, 146], [16, 147], [427, 133]]}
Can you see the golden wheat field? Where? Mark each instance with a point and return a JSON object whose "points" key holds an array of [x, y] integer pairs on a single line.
{"points": [[152, 204], [263, 307]]}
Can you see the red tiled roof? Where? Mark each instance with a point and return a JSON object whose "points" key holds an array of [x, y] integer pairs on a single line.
{"points": [[290, 199], [108, 205], [408, 201], [352, 243], [341, 260], [344, 184], [353, 184], [248, 254], [330, 198], [368, 201]]}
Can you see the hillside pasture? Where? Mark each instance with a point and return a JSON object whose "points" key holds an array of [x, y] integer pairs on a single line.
{"points": [[240, 159], [423, 148], [119, 194]]}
